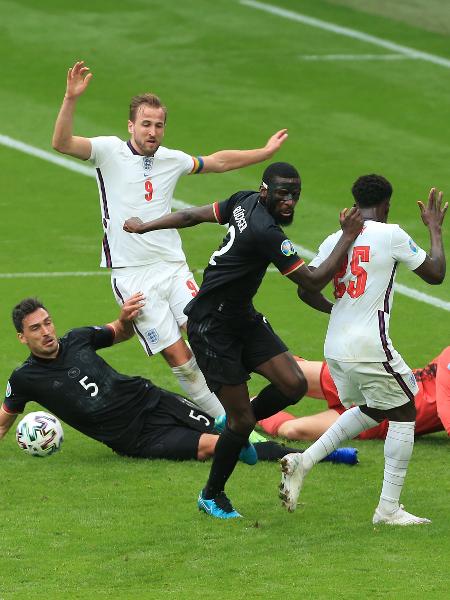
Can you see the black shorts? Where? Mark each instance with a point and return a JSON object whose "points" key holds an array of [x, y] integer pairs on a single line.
{"points": [[172, 430], [228, 350]]}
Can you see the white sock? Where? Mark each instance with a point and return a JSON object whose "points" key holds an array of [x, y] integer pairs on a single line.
{"points": [[348, 426], [398, 448], [193, 383]]}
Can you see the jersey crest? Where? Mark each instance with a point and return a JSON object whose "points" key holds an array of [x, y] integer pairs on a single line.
{"points": [[147, 164]]}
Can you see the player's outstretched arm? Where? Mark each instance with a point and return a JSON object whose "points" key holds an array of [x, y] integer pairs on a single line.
{"points": [[432, 270], [123, 326], [227, 160], [177, 220], [6, 420], [64, 141], [314, 280]]}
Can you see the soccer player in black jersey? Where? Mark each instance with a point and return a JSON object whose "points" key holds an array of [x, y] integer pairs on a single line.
{"points": [[230, 339], [129, 414], [67, 376]]}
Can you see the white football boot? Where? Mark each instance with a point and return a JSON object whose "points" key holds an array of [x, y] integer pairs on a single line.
{"points": [[293, 473], [398, 517]]}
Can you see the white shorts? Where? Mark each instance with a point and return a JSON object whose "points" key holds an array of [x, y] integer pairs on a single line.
{"points": [[167, 289], [383, 385]]}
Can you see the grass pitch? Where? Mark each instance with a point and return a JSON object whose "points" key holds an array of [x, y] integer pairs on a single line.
{"points": [[87, 524]]}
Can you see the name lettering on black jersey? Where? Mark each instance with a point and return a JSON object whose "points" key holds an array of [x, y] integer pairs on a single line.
{"points": [[239, 216]]}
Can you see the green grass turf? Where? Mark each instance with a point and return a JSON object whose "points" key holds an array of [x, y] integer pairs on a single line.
{"points": [[87, 524]]}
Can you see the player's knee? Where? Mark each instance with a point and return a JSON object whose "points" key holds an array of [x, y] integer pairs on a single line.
{"points": [[295, 387], [290, 431], [243, 423]]}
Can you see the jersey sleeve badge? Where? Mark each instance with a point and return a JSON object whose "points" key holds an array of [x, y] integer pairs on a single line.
{"points": [[287, 248], [8, 390]]}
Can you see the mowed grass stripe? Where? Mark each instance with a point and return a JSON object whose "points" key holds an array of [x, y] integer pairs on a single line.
{"points": [[348, 32], [178, 204]]}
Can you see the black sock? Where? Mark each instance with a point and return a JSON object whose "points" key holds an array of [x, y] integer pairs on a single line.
{"points": [[270, 401], [226, 456], [273, 450]]}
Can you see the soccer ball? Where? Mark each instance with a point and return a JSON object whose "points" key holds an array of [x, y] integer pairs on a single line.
{"points": [[39, 434]]}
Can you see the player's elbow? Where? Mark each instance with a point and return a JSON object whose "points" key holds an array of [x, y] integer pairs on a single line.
{"points": [[440, 276], [437, 280], [55, 145], [59, 146], [435, 277]]}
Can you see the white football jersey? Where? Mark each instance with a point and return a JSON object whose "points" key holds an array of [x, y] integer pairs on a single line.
{"points": [[132, 185], [358, 330]]}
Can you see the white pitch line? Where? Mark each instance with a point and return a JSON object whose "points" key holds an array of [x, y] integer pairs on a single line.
{"points": [[421, 296], [179, 204], [400, 288], [346, 31], [354, 57], [61, 161]]}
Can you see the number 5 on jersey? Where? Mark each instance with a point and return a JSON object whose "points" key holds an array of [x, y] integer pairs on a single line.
{"points": [[89, 386], [354, 288]]}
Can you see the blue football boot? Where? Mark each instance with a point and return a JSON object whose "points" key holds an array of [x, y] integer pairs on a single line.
{"points": [[219, 507]]}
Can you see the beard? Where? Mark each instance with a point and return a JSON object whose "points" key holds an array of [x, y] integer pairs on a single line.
{"points": [[144, 150], [281, 220]]}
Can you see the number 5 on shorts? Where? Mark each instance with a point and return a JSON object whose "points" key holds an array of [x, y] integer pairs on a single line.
{"points": [[199, 417]]}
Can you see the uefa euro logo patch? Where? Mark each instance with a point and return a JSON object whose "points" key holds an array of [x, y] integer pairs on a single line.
{"points": [[413, 246], [153, 336], [287, 248]]}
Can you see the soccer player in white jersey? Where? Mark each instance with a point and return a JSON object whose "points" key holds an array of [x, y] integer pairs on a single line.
{"points": [[138, 177], [365, 366]]}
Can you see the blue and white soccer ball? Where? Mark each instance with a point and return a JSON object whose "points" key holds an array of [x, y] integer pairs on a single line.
{"points": [[39, 434]]}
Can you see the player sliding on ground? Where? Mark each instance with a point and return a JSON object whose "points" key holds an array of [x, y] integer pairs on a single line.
{"points": [[432, 404], [130, 415], [230, 339], [365, 367]]}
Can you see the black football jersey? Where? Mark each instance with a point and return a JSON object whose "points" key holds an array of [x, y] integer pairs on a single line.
{"points": [[236, 269], [81, 389]]}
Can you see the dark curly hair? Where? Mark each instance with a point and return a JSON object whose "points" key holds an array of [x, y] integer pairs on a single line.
{"points": [[24, 308], [279, 169], [371, 190]]}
